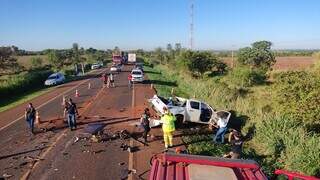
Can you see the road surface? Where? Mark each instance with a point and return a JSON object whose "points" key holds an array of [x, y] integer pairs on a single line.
{"points": [[59, 153]]}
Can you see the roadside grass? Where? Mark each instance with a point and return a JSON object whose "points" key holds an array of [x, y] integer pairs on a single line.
{"points": [[270, 140], [16, 100]]}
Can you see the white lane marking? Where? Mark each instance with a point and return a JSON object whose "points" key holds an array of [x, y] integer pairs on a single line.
{"points": [[2, 128]]}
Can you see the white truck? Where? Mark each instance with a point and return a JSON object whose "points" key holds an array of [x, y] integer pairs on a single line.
{"points": [[189, 110], [132, 58]]}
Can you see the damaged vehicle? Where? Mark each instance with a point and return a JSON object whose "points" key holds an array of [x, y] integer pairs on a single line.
{"points": [[189, 110]]}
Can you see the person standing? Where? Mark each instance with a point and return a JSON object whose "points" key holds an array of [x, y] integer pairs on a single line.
{"points": [[168, 127], [111, 78], [30, 116], [222, 125], [130, 80], [104, 79], [72, 111], [145, 123]]}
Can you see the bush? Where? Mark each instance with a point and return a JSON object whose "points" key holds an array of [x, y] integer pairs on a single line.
{"points": [[287, 146], [298, 94], [18, 84], [36, 62], [243, 77]]}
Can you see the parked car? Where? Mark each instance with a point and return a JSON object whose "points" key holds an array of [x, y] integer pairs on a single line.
{"points": [[189, 110], [54, 79], [116, 68], [137, 75], [96, 65]]}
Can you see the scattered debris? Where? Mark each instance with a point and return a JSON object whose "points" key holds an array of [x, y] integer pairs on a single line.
{"points": [[99, 151], [56, 169], [76, 140], [65, 153], [5, 175], [23, 163], [121, 164], [94, 139]]}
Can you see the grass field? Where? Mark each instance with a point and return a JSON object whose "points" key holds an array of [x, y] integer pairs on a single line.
{"points": [[287, 63], [25, 61]]}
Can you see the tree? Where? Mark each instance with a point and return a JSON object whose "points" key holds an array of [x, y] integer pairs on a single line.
{"points": [[169, 48], [199, 63], [258, 56], [55, 59], [178, 47], [7, 62], [116, 50], [159, 54], [36, 62]]}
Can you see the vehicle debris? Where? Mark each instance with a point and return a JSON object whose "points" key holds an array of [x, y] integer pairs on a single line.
{"points": [[5, 175]]}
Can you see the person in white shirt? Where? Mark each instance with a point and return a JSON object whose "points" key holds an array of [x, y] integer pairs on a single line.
{"points": [[222, 125]]}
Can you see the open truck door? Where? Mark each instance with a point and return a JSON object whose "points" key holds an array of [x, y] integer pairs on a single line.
{"points": [[194, 110]]}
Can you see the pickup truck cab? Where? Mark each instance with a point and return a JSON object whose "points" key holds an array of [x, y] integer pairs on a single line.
{"points": [[189, 110]]}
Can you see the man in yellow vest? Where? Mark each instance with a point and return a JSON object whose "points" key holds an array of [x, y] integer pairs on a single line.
{"points": [[168, 127]]}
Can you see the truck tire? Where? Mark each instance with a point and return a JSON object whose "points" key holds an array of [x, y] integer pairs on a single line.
{"points": [[179, 121]]}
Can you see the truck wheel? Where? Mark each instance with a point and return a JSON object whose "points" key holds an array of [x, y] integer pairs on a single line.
{"points": [[179, 121]]}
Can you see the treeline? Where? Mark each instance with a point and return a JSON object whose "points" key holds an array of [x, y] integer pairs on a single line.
{"points": [[280, 119]]}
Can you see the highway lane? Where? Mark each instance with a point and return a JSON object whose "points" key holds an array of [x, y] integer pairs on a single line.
{"points": [[16, 137]]}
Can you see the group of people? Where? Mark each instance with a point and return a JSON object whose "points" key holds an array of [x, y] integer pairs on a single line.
{"points": [[168, 127], [108, 80], [70, 110]]}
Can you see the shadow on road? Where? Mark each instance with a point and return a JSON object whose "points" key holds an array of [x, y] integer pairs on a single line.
{"points": [[165, 83]]}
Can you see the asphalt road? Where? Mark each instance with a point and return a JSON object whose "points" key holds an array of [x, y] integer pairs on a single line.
{"points": [[56, 154]]}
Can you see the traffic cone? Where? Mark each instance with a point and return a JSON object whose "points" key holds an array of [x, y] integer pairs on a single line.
{"points": [[77, 93], [37, 121], [89, 85]]}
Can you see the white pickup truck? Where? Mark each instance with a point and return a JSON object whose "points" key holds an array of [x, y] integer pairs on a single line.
{"points": [[189, 110]]}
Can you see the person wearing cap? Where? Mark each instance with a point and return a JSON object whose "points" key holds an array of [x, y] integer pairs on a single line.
{"points": [[168, 127], [30, 116], [236, 145], [72, 111]]}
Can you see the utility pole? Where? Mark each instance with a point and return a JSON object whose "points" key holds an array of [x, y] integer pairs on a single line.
{"points": [[191, 25], [232, 57]]}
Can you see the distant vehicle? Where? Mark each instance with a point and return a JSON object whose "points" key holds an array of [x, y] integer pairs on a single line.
{"points": [[117, 58], [96, 65], [189, 110], [137, 75], [116, 68], [54, 79], [139, 66], [131, 58]]}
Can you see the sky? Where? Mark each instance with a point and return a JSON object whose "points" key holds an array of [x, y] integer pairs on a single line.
{"points": [[147, 24]]}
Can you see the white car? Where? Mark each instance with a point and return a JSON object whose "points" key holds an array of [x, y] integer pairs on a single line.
{"points": [[137, 75], [116, 68], [189, 110], [54, 79], [96, 65]]}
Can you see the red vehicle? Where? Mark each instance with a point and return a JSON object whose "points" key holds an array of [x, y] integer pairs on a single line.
{"points": [[170, 166], [117, 58]]}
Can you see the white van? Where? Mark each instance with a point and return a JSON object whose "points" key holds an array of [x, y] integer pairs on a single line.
{"points": [[54, 79]]}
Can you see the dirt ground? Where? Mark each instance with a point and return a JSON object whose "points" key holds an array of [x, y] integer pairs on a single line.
{"points": [[287, 63]]}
